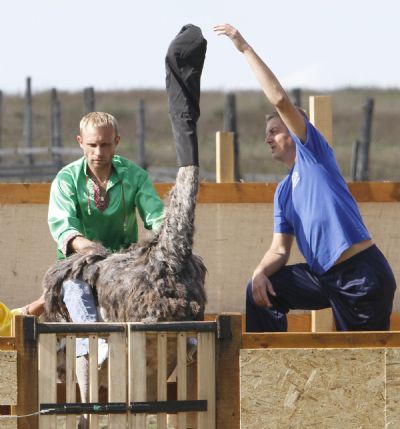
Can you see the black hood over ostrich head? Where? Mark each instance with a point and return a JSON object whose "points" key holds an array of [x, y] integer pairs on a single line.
{"points": [[184, 64]]}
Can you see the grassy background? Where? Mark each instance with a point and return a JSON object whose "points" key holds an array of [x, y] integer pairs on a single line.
{"points": [[251, 108]]}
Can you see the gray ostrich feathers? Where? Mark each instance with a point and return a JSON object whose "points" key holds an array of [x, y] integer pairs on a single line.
{"points": [[157, 279]]}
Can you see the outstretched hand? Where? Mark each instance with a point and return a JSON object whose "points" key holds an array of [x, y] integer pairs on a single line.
{"points": [[233, 34]]}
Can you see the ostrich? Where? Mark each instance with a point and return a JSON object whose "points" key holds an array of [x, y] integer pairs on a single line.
{"points": [[156, 279]]}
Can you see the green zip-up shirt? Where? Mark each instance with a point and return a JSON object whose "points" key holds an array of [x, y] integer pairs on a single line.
{"points": [[72, 210]]}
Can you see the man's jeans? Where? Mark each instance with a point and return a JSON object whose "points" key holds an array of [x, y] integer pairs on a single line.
{"points": [[78, 298]]}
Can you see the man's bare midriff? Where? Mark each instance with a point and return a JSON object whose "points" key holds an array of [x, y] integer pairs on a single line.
{"points": [[353, 250]]}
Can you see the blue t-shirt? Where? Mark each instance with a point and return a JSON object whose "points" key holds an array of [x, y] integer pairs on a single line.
{"points": [[314, 203]]}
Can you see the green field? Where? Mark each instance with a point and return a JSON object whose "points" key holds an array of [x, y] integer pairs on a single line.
{"points": [[251, 108]]}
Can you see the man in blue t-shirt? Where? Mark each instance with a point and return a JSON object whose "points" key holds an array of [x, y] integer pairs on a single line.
{"points": [[344, 269]]}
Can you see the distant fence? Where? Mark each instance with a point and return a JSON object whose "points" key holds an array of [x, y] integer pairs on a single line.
{"points": [[28, 162]]}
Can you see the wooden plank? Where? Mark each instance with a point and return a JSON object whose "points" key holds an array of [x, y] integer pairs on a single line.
{"points": [[211, 193], [70, 377], [322, 320], [299, 322], [137, 375], [225, 159], [7, 343], [228, 376], [93, 378], [181, 374], [320, 340], [117, 376], [161, 377], [27, 364], [321, 117], [8, 377], [206, 378], [395, 322], [296, 322], [47, 377]]}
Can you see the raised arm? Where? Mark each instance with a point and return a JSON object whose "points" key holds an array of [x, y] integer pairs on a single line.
{"points": [[274, 259], [290, 115]]}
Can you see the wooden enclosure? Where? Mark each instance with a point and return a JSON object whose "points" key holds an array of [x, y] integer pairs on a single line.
{"points": [[37, 354]]}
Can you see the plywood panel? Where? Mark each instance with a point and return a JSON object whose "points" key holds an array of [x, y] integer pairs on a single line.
{"points": [[230, 237], [313, 388], [8, 377], [26, 251], [392, 388]]}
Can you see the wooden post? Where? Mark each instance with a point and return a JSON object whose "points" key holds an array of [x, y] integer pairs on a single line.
{"points": [[224, 157], [137, 375], [56, 138], [296, 96], [363, 163], [206, 383], [321, 118], [117, 376], [93, 377], [1, 119], [28, 121], [70, 377], [140, 134], [181, 375], [228, 372], [89, 100], [354, 160], [161, 376], [27, 371], [230, 125], [321, 115]]}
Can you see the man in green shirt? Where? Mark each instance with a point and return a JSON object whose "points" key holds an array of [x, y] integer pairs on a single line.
{"points": [[95, 197], [93, 200]]}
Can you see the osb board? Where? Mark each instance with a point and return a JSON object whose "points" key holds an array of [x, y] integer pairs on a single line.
{"points": [[8, 377], [321, 388], [392, 388], [8, 423], [231, 238]]}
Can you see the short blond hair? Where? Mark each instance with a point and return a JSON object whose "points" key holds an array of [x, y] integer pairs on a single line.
{"points": [[98, 120]]}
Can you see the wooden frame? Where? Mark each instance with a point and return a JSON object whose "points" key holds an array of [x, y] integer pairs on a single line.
{"points": [[212, 193]]}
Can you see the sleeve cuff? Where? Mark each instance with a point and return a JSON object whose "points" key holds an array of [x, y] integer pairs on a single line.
{"points": [[66, 241]]}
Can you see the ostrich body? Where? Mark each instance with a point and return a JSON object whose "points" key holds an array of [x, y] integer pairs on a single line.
{"points": [[157, 279]]}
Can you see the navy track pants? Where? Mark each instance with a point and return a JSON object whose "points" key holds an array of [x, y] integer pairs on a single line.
{"points": [[360, 291]]}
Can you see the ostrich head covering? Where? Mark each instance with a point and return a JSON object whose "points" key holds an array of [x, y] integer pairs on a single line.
{"points": [[184, 64]]}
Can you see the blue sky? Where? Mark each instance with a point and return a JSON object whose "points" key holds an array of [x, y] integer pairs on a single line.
{"points": [[121, 44]]}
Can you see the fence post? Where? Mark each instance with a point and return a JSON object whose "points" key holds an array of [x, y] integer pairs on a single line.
{"points": [[321, 118], [363, 162], [296, 96], [355, 150], [89, 100], [56, 137], [1, 120], [230, 125], [140, 134], [224, 157], [228, 371], [27, 371], [28, 122]]}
